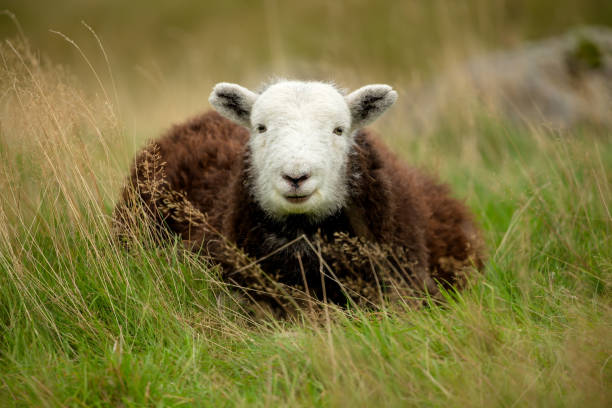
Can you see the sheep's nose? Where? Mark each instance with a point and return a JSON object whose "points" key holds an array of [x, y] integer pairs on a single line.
{"points": [[296, 181]]}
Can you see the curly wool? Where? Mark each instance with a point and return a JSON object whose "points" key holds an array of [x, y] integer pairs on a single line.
{"points": [[400, 230]]}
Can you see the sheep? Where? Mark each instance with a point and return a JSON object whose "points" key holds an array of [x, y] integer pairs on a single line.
{"points": [[290, 178]]}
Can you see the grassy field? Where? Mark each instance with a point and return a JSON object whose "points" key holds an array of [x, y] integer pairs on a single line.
{"points": [[84, 322]]}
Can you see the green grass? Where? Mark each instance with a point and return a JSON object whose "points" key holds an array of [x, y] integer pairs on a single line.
{"points": [[84, 322]]}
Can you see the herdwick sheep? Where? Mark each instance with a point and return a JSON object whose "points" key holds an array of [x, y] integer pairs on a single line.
{"points": [[289, 177]]}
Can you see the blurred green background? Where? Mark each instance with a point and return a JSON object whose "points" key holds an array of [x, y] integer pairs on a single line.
{"points": [[393, 38], [165, 56]]}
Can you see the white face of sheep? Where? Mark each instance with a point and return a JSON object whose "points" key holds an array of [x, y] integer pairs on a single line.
{"points": [[301, 137]]}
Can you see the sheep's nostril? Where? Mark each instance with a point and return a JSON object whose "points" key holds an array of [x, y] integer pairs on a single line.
{"points": [[296, 181]]}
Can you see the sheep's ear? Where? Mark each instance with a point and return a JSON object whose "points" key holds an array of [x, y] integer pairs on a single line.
{"points": [[233, 101], [368, 103]]}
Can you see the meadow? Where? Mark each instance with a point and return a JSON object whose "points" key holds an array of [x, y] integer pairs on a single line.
{"points": [[85, 322]]}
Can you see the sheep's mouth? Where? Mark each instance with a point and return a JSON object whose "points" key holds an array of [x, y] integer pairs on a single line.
{"points": [[297, 199]]}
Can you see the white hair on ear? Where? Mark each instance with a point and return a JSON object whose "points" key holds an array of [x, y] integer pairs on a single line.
{"points": [[234, 102], [368, 103]]}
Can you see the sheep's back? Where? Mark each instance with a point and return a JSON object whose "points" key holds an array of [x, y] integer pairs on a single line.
{"points": [[186, 174], [425, 217], [202, 157]]}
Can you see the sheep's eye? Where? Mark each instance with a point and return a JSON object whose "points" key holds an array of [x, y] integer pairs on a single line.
{"points": [[261, 128], [338, 131]]}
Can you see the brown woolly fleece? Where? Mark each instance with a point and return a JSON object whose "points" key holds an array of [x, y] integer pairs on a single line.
{"points": [[397, 218]]}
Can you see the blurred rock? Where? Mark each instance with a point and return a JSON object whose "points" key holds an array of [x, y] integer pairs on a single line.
{"points": [[559, 82]]}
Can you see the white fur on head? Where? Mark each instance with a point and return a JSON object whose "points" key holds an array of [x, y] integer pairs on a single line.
{"points": [[301, 136]]}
